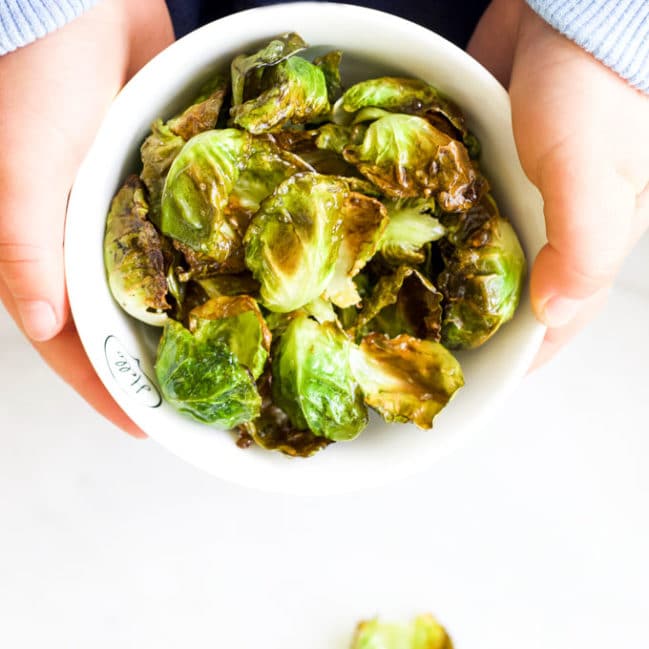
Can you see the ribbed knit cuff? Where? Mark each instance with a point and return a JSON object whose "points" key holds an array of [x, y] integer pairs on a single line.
{"points": [[23, 21], [614, 31]]}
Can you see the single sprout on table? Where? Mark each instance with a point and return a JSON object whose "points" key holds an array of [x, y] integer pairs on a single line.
{"points": [[424, 632]]}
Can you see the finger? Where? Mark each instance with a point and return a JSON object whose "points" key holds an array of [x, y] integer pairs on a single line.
{"points": [[589, 228], [65, 355], [494, 39], [555, 339]]}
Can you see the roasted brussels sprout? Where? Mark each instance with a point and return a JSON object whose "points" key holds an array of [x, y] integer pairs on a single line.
{"points": [[404, 378], [274, 431], [292, 92], [166, 140], [405, 95], [404, 302], [293, 241], [215, 185], [484, 269], [248, 69], [424, 632], [329, 63], [237, 322], [411, 226], [363, 221], [158, 152], [200, 376], [133, 256], [406, 157], [313, 383]]}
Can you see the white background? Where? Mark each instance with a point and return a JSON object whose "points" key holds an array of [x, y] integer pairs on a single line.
{"points": [[535, 536]]}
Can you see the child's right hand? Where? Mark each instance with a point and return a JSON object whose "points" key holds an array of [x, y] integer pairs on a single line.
{"points": [[53, 95]]}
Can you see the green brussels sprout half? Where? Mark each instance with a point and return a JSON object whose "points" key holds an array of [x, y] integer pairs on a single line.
{"points": [[200, 376], [215, 185], [248, 68], [404, 378], [363, 221], [197, 189], [424, 632], [410, 227], [291, 92], [203, 114], [329, 63], [406, 157], [410, 96], [133, 256], [237, 322], [404, 302], [274, 431], [166, 140], [292, 242], [482, 280], [313, 383], [158, 152]]}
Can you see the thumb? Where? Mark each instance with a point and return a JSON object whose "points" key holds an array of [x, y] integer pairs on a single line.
{"points": [[564, 124]]}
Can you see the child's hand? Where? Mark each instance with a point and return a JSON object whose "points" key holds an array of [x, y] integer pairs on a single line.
{"points": [[582, 135], [53, 95]]}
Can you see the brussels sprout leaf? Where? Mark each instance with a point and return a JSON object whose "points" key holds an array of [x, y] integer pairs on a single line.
{"points": [[484, 270], [201, 377], [313, 383], [292, 92], [237, 322], [244, 66], [293, 241], [133, 256], [404, 378], [402, 303], [410, 228], [407, 157]]}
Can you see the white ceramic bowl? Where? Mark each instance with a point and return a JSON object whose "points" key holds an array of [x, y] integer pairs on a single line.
{"points": [[122, 351]]}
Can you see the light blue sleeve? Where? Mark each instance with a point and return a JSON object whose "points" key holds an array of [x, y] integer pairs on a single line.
{"points": [[23, 21], [614, 31]]}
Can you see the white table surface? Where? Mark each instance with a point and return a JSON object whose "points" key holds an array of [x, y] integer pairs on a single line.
{"points": [[535, 536]]}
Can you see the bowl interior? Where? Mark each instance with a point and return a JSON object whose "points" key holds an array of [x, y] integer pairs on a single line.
{"points": [[123, 351]]}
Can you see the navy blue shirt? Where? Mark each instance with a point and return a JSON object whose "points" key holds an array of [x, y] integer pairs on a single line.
{"points": [[453, 19]]}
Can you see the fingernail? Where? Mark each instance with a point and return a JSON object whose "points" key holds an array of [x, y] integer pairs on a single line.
{"points": [[39, 320], [559, 311]]}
